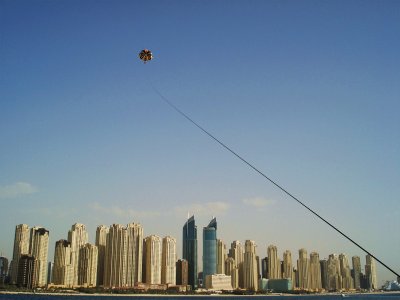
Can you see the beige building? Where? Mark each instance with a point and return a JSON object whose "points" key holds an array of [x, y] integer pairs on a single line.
{"points": [[78, 237], [232, 270], [274, 264], [250, 266], [334, 273], [288, 267], [62, 269], [218, 282], [39, 249], [153, 256], [345, 272], [221, 256], [315, 272], [88, 255], [134, 254], [303, 270], [370, 271], [237, 253], [101, 242], [357, 271], [21, 247], [168, 261]]}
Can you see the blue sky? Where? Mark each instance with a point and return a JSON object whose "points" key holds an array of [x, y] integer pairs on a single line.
{"points": [[308, 91]]}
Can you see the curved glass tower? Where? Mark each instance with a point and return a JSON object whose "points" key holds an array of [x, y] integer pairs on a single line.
{"points": [[210, 249], [189, 251]]}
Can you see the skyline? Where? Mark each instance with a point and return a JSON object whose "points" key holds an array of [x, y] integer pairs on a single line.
{"points": [[307, 91]]}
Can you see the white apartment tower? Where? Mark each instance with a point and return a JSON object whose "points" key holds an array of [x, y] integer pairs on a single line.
{"points": [[78, 237], [315, 272], [303, 269], [134, 255], [370, 271], [153, 259], [237, 253], [221, 256], [168, 263]]}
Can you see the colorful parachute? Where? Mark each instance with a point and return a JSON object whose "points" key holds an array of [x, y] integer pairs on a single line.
{"points": [[145, 55]]}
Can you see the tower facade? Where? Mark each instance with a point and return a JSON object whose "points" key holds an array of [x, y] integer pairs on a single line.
{"points": [[153, 258], [182, 272], [287, 265], [78, 237], [189, 250], [134, 254], [345, 272], [168, 263], [237, 253], [315, 272], [370, 271], [303, 268], [62, 271], [88, 255], [210, 249], [39, 249], [21, 246], [101, 242], [250, 266], [274, 266], [334, 273], [221, 256], [356, 271]]}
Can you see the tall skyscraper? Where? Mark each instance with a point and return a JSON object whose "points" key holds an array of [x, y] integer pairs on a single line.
{"points": [[324, 273], [21, 246], [3, 269], [315, 272], [334, 273], [303, 268], [101, 242], [250, 266], [221, 256], [26, 271], [274, 265], [210, 249], [287, 265], [78, 237], [87, 274], [134, 255], [153, 259], [345, 272], [237, 253], [168, 263], [370, 272], [189, 251], [39, 248], [115, 257], [356, 271], [182, 272], [233, 271], [62, 269]]}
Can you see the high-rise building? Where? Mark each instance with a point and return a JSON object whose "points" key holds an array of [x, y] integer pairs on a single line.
{"points": [[87, 274], [21, 246], [101, 242], [274, 265], [250, 266], [3, 269], [26, 271], [62, 269], [168, 263], [134, 254], [287, 265], [345, 272], [153, 257], [233, 271], [189, 250], [334, 273], [356, 271], [115, 257], [324, 273], [315, 272], [39, 248], [182, 272], [264, 267], [210, 249], [370, 271], [78, 237], [221, 256], [237, 253], [303, 268]]}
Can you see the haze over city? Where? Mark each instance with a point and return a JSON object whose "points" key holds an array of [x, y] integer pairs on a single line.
{"points": [[306, 91]]}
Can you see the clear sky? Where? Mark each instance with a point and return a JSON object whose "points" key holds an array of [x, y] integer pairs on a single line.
{"points": [[308, 91]]}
